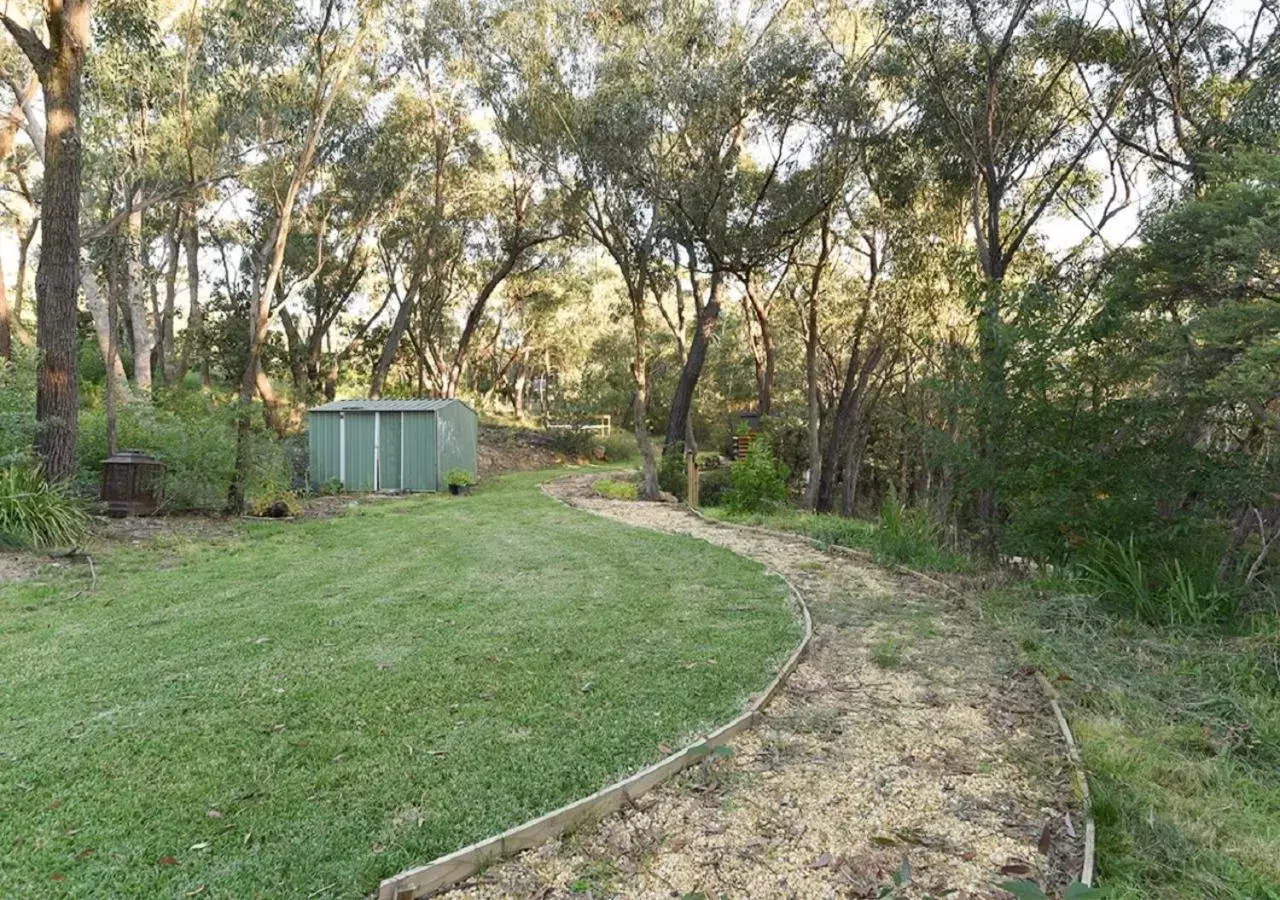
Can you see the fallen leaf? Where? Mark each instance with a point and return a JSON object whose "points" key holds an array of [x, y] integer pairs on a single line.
{"points": [[167, 861], [202, 845], [199, 889], [968, 855], [85, 853], [586, 688], [1015, 867], [1043, 844], [214, 814], [822, 861], [56, 876], [382, 667], [262, 640], [377, 849]]}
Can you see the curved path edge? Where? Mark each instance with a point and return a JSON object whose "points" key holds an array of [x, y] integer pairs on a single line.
{"points": [[421, 881]]}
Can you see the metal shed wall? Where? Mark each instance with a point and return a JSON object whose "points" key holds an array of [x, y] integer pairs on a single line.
{"points": [[457, 433], [391, 445], [420, 469]]}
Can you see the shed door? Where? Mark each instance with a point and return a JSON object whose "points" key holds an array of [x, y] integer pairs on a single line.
{"points": [[389, 451], [322, 433], [360, 452], [420, 451]]}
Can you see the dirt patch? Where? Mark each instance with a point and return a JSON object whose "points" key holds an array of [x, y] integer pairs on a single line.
{"points": [[506, 449], [902, 755]]}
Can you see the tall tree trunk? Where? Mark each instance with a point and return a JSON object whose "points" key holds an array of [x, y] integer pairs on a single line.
{"points": [[814, 424], [193, 345], [6, 315], [60, 67], [166, 355], [106, 328], [640, 408], [990, 416], [691, 371], [322, 98], [139, 321], [392, 345], [848, 420]]}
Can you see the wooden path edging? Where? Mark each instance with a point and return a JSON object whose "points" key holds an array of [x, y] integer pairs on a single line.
{"points": [[449, 870]]}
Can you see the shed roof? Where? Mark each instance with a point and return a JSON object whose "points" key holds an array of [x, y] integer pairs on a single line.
{"points": [[386, 405]]}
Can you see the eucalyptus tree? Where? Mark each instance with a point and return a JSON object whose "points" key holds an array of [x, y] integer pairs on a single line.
{"points": [[58, 61], [1016, 95], [331, 41]]}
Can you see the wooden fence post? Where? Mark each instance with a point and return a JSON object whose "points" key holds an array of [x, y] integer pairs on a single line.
{"points": [[691, 478]]}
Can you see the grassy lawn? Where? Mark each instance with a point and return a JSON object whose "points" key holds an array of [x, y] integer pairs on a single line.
{"points": [[310, 707], [1180, 733]]}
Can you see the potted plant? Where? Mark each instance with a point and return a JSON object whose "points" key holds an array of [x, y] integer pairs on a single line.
{"points": [[459, 481]]}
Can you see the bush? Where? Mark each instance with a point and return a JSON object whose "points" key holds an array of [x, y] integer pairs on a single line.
{"points": [[906, 535], [619, 447], [672, 475], [459, 477], [571, 440], [1164, 595], [616, 490], [194, 437], [35, 513], [758, 482], [713, 486], [18, 406]]}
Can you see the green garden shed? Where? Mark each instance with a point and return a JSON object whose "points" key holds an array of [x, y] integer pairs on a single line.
{"points": [[391, 445]]}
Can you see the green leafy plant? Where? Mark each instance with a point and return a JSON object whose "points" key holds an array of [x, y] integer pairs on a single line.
{"points": [[1170, 595], [673, 477], [330, 487], [35, 513], [905, 535], [459, 478], [616, 490], [758, 482], [619, 447]]}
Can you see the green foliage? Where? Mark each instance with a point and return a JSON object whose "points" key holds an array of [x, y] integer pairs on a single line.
{"points": [[331, 487], [758, 482], [673, 473], [1181, 733], [616, 490], [1170, 595], [906, 535], [459, 478], [17, 406], [887, 654], [571, 440], [619, 446], [35, 513], [194, 436], [714, 486]]}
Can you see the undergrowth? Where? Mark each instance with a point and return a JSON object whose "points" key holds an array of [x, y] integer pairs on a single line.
{"points": [[1180, 732]]}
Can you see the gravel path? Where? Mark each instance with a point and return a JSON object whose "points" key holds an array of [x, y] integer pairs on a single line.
{"points": [[903, 755]]}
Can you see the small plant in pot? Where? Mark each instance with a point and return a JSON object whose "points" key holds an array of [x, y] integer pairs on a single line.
{"points": [[459, 481]]}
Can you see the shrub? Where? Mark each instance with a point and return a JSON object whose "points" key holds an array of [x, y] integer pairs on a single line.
{"points": [[672, 475], [907, 535], [459, 477], [18, 406], [35, 513], [194, 437], [571, 440], [616, 490], [1165, 595], [758, 482], [619, 447], [713, 486], [330, 487]]}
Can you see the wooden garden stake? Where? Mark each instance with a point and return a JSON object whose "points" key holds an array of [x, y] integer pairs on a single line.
{"points": [[691, 477]]}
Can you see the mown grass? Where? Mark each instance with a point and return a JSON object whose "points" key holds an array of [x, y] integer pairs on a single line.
{"points": [[314, 706], [1180, 732]]}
